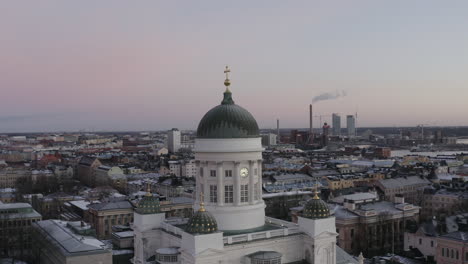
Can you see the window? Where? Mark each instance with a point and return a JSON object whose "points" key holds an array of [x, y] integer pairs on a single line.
{"points": [[228, 194], [466, 256], [167, 258], [255, 171], [452, 254], [420, 241], [456, 256], [213, 193], [352, 232], [267, 261], [244, 193], [213, 173], [228, 173], [432, 243], [443, 252], [201, 171]]}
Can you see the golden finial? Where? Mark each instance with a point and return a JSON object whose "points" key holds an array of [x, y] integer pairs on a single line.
{"points": [[148, 190], [202, 204], [227, 82], [316, 197]]}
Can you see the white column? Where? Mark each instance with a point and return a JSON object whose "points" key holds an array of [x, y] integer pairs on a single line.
{"points": [[251, 181], [236, 183], [259, 179], [200, 182], [206, 185], [220, 176]]}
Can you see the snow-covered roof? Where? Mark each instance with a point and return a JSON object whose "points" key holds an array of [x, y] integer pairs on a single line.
{"points": [[66, 241]]}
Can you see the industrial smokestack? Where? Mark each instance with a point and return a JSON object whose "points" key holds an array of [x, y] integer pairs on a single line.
{"points": [[311, 133], [277, 131]]}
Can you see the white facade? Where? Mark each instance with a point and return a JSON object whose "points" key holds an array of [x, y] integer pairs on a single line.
{"points": [[311, 240], [230, 178], [269, 139], [173, 140], [189, 169], [174, 167], [424, 243], [226, 167]]}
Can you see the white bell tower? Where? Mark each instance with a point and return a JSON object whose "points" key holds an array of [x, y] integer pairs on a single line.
{"points": [[228, 152]]}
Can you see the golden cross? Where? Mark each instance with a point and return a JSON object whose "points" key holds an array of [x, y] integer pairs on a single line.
{"points": [[316, 197], [148, 189], [202, 203], [227, 71]]}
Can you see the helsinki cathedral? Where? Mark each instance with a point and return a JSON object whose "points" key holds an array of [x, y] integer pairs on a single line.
{"points": [[229, 224]]}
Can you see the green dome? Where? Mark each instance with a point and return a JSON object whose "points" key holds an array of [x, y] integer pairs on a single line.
{"points": [[202, 222], [148, 205], [316, 208], [227, 120]]}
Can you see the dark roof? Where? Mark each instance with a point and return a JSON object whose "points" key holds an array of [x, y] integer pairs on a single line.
{"points": [[88, 161], [201, 222], [228, 120], [316, 208], [65, 240], [461, 236], [342, 257], [148, 205], [111, 206], [430, 228]]}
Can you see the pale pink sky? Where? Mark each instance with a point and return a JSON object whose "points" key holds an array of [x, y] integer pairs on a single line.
{"points": [[153, 65]]}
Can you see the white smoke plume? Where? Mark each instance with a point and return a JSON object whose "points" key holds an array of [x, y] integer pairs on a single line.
{"points": [[329, 96]]}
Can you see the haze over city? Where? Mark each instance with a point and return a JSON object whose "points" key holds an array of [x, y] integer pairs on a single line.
{"points": [[153, 65], [233, 132]]}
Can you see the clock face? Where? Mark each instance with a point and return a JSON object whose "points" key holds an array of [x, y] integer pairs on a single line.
{"points": [[244, 172]]}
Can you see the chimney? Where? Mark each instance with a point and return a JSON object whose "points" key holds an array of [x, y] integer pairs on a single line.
{"points": [[361, 259], [278, 137], [311, 128]]}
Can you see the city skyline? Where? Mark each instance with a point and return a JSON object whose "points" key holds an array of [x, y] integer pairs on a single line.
{"points": [[153, 66]]}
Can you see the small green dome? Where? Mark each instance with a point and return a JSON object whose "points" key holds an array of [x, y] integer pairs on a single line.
{"points": [[316, 208], [228, 120], [202, 222], [148, 205]]}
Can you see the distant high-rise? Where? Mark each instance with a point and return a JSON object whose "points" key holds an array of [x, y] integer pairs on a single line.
{"points": [[351, 125], [325, 128], [173, 140], [269, 139], [336, 123]]}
